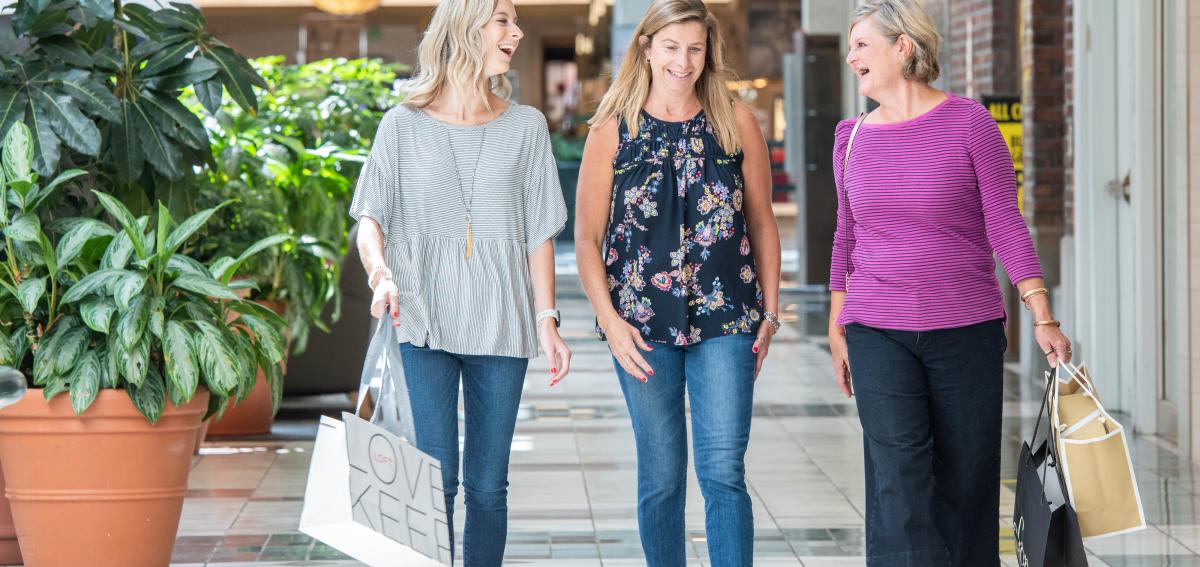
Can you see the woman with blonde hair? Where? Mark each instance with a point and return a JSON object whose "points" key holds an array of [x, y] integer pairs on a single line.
{"points": [[678, 252], [928, 195], [458, 205]]}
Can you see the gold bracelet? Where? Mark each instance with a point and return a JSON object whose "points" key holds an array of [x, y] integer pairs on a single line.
{"points": [[1054, 322], [1036, 291]]}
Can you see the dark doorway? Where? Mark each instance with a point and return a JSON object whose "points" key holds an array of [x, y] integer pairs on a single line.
{"points": [[823, 109]]}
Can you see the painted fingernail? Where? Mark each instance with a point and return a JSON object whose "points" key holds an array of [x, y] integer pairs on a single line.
{"points": [[554, 371], [652, 373], [755, 349]]}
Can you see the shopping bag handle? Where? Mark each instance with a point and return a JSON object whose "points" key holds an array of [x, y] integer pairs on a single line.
{"points": [[1052, 447], [378, 340], [393, 409], [1037, 425], [1076, 375]]}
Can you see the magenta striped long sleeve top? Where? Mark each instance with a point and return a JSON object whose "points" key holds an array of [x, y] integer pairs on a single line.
{"points": [[930, 201]]}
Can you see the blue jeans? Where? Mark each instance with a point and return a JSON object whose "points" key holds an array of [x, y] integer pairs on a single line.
{"points": [[492, 392], [718, 374], [930, 404]]}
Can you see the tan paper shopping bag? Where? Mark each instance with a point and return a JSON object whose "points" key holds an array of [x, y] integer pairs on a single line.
{"points": [[1095, 457]]}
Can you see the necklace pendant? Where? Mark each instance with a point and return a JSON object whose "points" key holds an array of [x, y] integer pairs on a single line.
{"points": [[470, 241]]}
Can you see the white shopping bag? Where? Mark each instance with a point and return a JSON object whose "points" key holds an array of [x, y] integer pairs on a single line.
{"points": [[371, 494]]}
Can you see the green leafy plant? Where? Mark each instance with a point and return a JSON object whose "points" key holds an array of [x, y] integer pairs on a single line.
{"points": [[98, 84], [87, 305], [292, 168]]}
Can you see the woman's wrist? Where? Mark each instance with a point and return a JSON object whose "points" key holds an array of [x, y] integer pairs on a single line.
{"points": [[547, 326], [607, 319], [1040, 308]]}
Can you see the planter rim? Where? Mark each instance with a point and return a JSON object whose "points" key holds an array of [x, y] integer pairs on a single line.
{"points": [[109, 403]]}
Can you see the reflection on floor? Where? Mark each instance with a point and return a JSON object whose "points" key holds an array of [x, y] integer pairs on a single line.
{"points": [[572, 493]]}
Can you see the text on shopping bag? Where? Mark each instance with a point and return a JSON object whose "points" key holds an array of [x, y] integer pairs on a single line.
{"points": [[396, 490]]}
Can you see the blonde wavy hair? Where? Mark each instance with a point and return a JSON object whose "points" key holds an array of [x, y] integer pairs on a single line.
{"points": [[627, 95], [451, 55]]}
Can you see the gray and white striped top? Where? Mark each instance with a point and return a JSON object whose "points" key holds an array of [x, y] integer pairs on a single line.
{"points": [[480, 305]]}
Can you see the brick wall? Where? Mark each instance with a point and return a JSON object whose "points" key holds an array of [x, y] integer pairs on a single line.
{"points": [[982, 46], [1068, 117], [1043, 92]]}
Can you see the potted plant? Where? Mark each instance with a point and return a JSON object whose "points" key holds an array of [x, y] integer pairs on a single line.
{"points": [[118, 326], [292, 171], [127, 347]]}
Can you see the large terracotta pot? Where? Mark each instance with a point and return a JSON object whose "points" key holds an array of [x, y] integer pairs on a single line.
{"points": [[104, 489], [201, 434], [251, 417], [10, 552]]}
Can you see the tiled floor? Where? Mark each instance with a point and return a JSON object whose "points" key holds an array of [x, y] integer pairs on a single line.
{"points": [[573, 476]]}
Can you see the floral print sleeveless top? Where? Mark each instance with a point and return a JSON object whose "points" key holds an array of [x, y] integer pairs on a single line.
{"points": [[677, 251]]}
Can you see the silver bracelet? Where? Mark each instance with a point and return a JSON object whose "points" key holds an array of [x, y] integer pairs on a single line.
{"points": [[371, 283], [549, 313]]}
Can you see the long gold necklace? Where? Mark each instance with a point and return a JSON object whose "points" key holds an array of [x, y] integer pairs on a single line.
{"points": [[462, 192]]}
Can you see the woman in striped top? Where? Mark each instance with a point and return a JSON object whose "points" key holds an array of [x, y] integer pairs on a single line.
{"points": [[928, 195], [678, 248], [458, 204]]}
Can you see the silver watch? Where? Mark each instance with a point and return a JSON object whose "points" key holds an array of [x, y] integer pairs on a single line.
{"points": [[773, 319]]}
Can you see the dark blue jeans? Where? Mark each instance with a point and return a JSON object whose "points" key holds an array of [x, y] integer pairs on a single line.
{"points": [[930, 403], [718, 376], [492, 390]]}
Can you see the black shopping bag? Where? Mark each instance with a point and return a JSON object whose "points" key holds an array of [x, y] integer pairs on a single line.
{"points": [[1044, 522]]}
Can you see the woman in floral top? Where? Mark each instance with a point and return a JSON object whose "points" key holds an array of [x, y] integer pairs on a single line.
{"points": [[679, 254]]}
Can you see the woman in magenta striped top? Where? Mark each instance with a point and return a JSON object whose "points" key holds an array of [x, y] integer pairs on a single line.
{"points": [[928, 195], [931, 199]]}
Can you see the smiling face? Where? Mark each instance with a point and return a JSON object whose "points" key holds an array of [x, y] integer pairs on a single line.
{"points": [[501, 36], [876, 61], [677, 54]]}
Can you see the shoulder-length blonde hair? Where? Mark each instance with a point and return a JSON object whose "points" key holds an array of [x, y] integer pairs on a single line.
{"points": [[626, 97], [451, 54]]}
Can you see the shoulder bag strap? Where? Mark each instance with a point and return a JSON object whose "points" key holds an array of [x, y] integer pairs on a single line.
{"points": [[845, 205]]}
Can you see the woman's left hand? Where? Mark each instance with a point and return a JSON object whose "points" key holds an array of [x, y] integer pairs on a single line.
{"points": [[1054, 344], [762, 344], [556, 350]]}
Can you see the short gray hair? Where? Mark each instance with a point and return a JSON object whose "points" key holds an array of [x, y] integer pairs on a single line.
{"points": [[894, 18]]}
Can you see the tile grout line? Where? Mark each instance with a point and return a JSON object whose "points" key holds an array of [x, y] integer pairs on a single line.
{"points": [[771, 515], [586, 492], [766, 508], [257, 486], [803, 449]]}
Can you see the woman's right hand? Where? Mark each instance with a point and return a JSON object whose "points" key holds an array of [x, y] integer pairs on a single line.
{"points": [[841, 359], [626, 344], [386, 297]]}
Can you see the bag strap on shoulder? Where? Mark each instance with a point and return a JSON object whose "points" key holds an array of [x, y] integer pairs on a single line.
{"points": [[845, 196]]}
